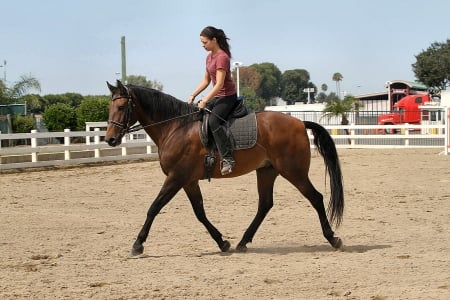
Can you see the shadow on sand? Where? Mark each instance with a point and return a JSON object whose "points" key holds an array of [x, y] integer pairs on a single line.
{"points": [[280, 250]]}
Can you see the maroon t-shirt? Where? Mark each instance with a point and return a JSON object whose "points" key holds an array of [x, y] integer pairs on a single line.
{"points": [[221, 61]]}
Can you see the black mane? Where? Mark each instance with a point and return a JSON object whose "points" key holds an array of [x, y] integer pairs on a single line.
{"points": [[160, 106]]}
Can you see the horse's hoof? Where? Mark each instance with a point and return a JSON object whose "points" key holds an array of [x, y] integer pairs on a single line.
{"points": [[338, 244], [225, 246], [135, 251], [241, 248]]}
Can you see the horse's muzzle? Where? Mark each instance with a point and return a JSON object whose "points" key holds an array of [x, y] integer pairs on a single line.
{"points": [[113, 141]]}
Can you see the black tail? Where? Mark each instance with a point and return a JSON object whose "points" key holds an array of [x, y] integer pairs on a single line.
{"points": [[326, 147]]}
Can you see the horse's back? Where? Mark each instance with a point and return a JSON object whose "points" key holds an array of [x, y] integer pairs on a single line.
{"points": [[285, 140], [277, 126]]}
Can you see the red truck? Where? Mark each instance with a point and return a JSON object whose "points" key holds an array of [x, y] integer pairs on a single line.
{"points": [[406, 110]]}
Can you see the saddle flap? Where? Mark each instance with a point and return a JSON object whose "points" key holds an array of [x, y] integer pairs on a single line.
{"points": [[240, 110], [243, 131]]}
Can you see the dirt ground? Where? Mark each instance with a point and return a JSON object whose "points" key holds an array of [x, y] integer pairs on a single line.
{"points": [[67, 234]]}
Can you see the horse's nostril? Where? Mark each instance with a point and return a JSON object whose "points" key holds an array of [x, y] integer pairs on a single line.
{"points": [[111, 141]]}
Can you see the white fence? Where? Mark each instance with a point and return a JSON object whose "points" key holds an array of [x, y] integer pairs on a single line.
{"points": [[87, 146]]}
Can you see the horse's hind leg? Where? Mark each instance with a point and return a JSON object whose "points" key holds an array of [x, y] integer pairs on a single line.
{"points": [[266, 178], [195, 197], [307, 189]]}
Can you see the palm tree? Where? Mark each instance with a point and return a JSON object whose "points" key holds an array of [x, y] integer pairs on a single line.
{"points": [[338, 78], [342, 108], [20, 88]]}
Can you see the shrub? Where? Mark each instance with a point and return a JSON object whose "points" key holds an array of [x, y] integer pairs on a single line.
{"points": [[22, 124], [93, 109], [60, 116]]}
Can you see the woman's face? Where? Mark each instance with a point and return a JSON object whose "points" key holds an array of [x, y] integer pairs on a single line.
{"points": [[208, 44]]}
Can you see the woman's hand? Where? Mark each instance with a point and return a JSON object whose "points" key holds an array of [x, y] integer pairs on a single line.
{"points": [[191, 99], [201, 104]]}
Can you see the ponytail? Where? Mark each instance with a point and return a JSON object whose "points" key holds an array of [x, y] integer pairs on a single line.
{"points": [[211, 32]]}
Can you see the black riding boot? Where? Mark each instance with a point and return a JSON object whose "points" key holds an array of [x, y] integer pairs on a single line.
{"points": [[225, 148]]}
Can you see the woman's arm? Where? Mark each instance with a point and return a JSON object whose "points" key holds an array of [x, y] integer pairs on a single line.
{"points": [[200, 88], [220, 80]]}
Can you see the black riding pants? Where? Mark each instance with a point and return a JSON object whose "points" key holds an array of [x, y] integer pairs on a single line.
{"points": [[221, 108]]}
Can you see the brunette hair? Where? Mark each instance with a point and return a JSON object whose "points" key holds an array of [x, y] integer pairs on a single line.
{"points": [[211, 32]]}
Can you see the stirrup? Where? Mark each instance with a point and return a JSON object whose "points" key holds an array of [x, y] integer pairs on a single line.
{"points": [[227, 165]]}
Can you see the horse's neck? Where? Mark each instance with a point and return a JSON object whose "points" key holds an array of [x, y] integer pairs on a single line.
{"points": [[160, 132]]}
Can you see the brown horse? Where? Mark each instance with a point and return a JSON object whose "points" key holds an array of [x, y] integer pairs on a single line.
{"points": [[282, 148]]}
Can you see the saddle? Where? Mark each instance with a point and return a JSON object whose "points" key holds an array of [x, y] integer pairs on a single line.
{"points": [[241, 126]]}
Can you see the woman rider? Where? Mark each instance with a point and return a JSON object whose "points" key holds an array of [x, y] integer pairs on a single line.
{"points": [[222, 97]]}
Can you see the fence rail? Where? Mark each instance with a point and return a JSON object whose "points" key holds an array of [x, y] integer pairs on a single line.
{"points": [[83, 151], [77, 147]]}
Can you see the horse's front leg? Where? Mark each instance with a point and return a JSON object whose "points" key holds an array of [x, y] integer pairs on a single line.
{"points": [[195, 197], [168, 191]]}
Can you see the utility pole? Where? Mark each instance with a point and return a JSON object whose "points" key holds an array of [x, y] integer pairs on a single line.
{"points": [[124, 62]]}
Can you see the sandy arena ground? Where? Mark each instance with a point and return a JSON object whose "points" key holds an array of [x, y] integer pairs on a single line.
{"points": [[67, 233]]}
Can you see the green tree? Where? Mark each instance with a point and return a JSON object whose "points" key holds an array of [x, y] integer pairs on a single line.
{"points": [[22, 124], [18, 89], [341, 108], [324, 87], [332, 97], [60, 116], [248, 77], [2, 91], [71, 99], [321, 97], [251, 100], [142, 81], [92, 109], [432, 66], [270, 80], [35, 103], [293, 82], [337, 77]]}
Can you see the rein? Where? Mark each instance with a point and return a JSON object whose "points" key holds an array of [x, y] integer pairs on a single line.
{"points": [[130, 105], [139, 126]]}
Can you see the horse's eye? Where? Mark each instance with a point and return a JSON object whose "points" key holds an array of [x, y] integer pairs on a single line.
{"points": [[121, 108]]}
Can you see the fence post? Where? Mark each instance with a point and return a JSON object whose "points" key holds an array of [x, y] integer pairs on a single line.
{"points": [[149, 147], [88, 138], [406, 133], [352, 132], [97, 142], [33, 145], [66, 144], [447, 130], [124, 148]]}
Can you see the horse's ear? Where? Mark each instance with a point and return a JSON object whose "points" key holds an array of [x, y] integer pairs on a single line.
{"points": [[112, 88], [121, 87]]}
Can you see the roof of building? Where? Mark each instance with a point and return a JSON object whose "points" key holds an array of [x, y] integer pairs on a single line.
{"points": [[412, 84], [373, 96]]}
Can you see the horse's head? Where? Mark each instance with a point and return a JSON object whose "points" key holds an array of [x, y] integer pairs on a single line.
{"points": [[121, 114]]}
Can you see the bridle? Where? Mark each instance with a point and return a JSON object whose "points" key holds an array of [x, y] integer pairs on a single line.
{"points": [[125, 125]]}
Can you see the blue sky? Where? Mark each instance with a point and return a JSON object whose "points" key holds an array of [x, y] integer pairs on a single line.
{"points": [[74, 46]]}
